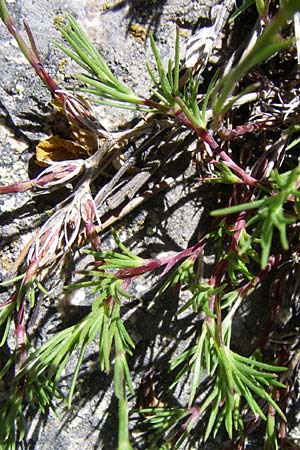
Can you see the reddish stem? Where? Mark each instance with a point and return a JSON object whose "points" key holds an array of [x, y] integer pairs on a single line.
{"points": [[31, 54], [168, 261], [240, 130], [195, 413], [209, 139], [11, 299]]}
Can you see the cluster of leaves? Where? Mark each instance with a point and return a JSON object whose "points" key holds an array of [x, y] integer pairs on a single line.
{"points": [[225, 387]]}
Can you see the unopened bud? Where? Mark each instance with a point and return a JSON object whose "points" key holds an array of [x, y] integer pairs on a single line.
{"points": [[72, 225], [58, 173], [78, 111], [89, 214]]}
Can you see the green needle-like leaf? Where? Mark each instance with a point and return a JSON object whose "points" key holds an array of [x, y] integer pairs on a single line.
{"points": [[176, 63], [266, 45], [164, 82], [214, 411]]}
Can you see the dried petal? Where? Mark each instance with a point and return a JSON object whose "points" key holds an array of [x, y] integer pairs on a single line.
{"points": [[72, 225], [47, 247], [55, 149], [88, 209], [89, 214], [87, 139]]}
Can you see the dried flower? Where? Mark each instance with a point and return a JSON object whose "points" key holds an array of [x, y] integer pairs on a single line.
{"points": [[89, 214], [58, 174]]}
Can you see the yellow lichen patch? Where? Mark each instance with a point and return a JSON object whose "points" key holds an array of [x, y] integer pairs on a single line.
{"points": [[106, 6], [5, 262], [138, 32], [184, 33], [59, 20], [62, 64]]}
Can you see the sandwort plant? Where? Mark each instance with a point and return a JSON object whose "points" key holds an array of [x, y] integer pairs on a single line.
{"points": [[254, 231]]}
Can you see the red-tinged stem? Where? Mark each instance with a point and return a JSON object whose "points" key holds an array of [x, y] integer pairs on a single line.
{"points": [[272, 262], [195, 413], [31, 54], [76, 109], [168, 261], [205, 136], [209, 139], [46, 78], [20, 186], [240, 130], [183, 119], [155, 105], [11, 299], [31, 39]]}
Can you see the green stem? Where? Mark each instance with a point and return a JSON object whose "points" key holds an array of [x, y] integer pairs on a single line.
{"points": [[123, 439], [237, 208]]}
